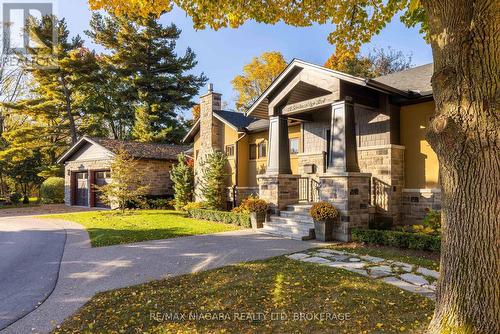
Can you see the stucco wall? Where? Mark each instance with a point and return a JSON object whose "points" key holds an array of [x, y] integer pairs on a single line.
{"points": [[421, 164]]}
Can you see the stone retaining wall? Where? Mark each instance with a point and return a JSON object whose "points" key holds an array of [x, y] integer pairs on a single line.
{"points": [[415, 201]]}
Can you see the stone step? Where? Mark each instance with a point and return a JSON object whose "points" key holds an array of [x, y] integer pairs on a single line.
{"points": [[293, 220], [288, 231], [296, 214], [299, 207]]}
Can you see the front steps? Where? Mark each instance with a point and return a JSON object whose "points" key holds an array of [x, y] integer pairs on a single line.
{"points": [[294, 223]]}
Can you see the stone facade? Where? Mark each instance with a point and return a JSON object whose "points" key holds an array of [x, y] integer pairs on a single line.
{"points": [[350, 194], [156, 175], [316, 160], [210, 135], [415, 201], [386, 164], [279, 190]]}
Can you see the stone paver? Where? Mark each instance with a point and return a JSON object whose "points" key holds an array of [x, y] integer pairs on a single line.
{"points": [[375, 267], [415, 279], [372, 259], [427, 272]]}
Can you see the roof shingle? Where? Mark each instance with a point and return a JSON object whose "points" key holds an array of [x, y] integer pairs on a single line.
{"points": [[141, 150], [416, 79]]}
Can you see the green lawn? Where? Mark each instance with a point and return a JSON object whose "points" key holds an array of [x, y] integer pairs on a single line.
{"points": [[245, 296], [110, 227]]}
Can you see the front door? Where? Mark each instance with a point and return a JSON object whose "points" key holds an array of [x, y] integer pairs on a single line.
{"points": [[82, 189], [101, 179]]}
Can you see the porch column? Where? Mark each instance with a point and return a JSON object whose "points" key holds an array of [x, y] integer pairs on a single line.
{"points": [[343, 147], [279, 155]]}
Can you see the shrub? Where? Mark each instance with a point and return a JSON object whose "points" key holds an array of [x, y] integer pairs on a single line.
{"points": [[252, 204], [182, 176], [52, 190], [15, 198], [239, 219], [194, 205], [400, 239], [323, 211]]}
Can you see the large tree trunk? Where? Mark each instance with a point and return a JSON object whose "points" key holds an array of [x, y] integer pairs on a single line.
{"points": [[465, 133]]}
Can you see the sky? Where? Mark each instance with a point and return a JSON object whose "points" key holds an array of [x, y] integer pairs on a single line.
{"points": [[222, 54]]}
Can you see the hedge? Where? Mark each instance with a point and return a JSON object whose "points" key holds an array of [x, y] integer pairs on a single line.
{"points": [[52, 190], [409, 240], [240, 219]]}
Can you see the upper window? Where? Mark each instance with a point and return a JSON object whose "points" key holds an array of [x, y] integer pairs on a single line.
{"points": [[262, 149], [253, 151], [230, 150], [294, 145]]}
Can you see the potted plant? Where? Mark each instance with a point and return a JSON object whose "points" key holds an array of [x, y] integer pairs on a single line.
{"points": [[324, 215], [257, 209]]}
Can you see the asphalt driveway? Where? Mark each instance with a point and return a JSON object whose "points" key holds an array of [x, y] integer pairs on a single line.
{"points": [[29, 265], [84, 271]]}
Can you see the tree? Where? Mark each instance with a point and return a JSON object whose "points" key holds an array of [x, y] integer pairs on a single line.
{"points": [[376, 64], [129, 182], [182, 175], [195, 111], [257, 76], [213, 180], [154, 79], [465, 40]]}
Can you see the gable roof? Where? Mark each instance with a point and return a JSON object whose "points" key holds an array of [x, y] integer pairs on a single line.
{"points": [[137, 150], [416, 79], [298, 64]]}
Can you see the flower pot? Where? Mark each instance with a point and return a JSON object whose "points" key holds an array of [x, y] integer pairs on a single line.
{"points": [[257, 219], [323, 230]]}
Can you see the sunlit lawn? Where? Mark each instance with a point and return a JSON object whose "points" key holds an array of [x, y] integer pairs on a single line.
{"points": [[278, 288], [110, 227]]}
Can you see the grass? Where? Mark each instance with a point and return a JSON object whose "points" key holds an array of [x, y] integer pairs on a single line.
{"points": [[33, 201], [256, 297], [110, 227], [425, 259]]}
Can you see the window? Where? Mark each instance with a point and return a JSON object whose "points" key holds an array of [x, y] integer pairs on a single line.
{"points": [[294, 145], [230, 150], [253, 151], [262, 149]]}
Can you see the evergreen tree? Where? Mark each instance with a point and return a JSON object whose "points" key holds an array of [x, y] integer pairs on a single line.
{"points": [[213, 180], [142, 55], [182, 175]]}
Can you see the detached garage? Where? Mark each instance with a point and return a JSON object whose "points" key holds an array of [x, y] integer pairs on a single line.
{"points": [[87, 163]]}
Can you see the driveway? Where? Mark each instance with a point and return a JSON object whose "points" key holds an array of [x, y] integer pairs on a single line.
{"points": [[29, 265], [84, 271]]}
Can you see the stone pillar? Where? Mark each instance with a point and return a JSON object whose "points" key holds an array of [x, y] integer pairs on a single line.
{"points": [[343, 156], [278, 161], [279, 190], [349, 192]]}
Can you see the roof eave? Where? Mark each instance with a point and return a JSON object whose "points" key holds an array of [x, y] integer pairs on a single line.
{"points": [[192, 132], [76, 146]]}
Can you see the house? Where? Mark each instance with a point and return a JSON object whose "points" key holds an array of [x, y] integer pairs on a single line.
{"points": [[87, 163], [318, 134]]}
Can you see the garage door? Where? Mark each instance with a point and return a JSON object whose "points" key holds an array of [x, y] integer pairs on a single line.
{"points": [[82, 190], [101, 179]]}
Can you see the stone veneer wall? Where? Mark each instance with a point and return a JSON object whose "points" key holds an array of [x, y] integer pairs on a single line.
{"points": [[279, 190], [241, 193], [157, 175], [386, 164], [350, 193], [316, 159], [415, 201]]}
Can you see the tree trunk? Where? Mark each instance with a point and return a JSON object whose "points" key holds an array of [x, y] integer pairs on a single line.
{"points": [[465, 133], [69, 114]]}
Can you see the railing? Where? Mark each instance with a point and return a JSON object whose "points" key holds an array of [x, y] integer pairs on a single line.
{"points": [[308, 190], [381, 195]]}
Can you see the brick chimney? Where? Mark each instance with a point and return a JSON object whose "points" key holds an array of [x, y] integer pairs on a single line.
{"points": [[210, 128]]}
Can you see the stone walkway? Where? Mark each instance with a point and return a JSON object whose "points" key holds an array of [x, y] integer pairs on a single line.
{"points": [[402, 275]]}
